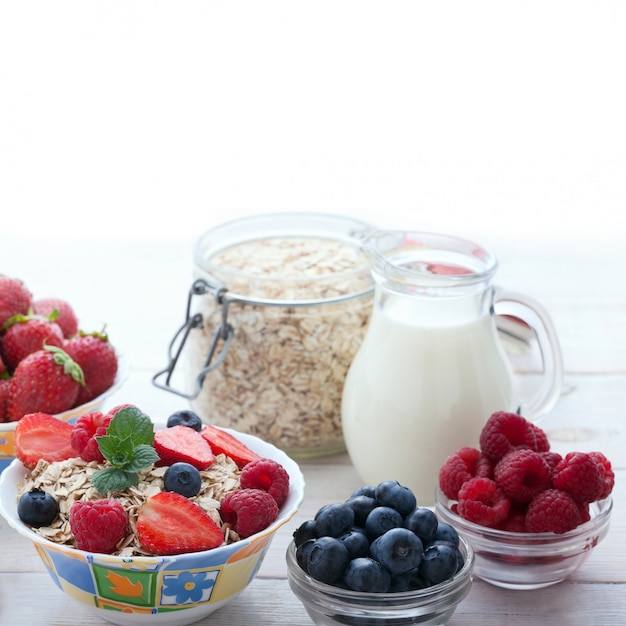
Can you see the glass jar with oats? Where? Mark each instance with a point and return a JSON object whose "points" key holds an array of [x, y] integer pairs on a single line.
{"points": [[277, 310]]}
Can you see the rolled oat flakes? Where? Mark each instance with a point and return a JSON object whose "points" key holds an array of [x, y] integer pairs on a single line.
{"points": [[69, 481], [282, 377]]}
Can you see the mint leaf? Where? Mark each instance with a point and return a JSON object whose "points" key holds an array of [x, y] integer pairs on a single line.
{"points": [[115, 451], [130, 423], [127, 446], [112, 479], [142, 457]]}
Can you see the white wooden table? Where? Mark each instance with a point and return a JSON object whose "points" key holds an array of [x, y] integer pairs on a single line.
{"points": [[139, 290]]}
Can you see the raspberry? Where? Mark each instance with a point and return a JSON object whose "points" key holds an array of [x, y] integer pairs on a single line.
{"points": [[552, 459], [585, 513], [118, 408], [461, 466], [267, 475], [248, 511], [98, 525], [481, 501], [86, 429], [542, 444], [515, 521], [522, 474], [606, 469], [506, 431], [552, 511], [580, 475]]}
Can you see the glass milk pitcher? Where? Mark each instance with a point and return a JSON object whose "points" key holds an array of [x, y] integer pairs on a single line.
{"points": [[431, 368]]}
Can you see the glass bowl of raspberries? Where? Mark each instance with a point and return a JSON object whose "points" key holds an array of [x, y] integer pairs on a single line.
{"points": [[532, 515], [378, 558], [149, 523]]}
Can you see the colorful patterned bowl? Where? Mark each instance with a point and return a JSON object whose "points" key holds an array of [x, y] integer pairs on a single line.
{"points": [[7, 429], [172, 590]]}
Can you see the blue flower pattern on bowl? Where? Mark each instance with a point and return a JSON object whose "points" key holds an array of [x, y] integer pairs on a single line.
{"points": [[187, 587]]}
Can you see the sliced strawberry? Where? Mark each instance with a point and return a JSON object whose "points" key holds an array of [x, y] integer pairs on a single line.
{"points": [[180, 443], [43, 436], [223, 442], [169, 523]]}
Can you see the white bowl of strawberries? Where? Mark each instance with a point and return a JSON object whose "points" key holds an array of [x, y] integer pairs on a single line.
{"points": [[156, 524], [532, 515], [48, 363]]}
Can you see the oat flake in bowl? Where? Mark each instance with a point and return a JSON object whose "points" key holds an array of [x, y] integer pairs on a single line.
{"points": [[278, 309]]}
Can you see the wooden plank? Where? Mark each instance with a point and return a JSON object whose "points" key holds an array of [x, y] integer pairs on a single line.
{"points": [[270, 602]]}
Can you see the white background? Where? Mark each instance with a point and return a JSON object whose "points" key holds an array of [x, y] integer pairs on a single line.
{"points": [[158, 119], [129, 128]]}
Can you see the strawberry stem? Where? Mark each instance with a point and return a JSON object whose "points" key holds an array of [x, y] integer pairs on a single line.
{"points": [[70, 366]]}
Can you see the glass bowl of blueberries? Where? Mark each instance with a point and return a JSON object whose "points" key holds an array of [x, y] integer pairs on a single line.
{"points": [[378, 558]]}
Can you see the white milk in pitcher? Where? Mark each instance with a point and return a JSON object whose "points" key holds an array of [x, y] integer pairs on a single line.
{"points": [[416, 393]]}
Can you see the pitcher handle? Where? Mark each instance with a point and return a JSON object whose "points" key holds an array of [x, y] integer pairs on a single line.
{"points": [[534, 314]]}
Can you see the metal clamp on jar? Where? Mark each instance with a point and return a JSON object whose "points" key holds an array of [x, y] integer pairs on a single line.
{"points": [[277, 310]]}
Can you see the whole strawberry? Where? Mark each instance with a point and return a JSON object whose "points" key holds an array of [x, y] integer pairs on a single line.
{"points": [[27, 334], [15, 299], [97, 358], [98, 526], [4, 399], [59, 311], [45, 381]]}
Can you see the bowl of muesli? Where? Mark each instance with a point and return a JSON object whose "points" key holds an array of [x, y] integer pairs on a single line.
{"points": [[131, 585]]}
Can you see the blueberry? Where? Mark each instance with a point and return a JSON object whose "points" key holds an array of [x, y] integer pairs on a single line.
{"points": [[408, 581], [460, 560], [307, 530], [182, 478], [399, 550], [380, 520], [366, 574], [362, 506], [423, 522], [185, 418], [439, 563], [302, 554], [334, 520], [366, 490], [357, 543], [446, 532], [392, 494], [37, 508], [327, 559]]}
